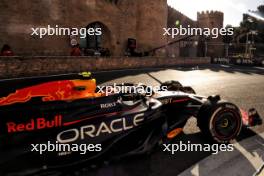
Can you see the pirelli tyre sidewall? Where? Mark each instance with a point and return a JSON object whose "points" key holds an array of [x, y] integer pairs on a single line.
{"points": [[223, 122]]}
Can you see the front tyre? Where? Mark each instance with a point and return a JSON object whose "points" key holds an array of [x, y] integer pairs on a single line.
{"points": [[220, 121]]}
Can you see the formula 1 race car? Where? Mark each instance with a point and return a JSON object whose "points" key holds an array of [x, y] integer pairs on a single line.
{"points": [[65, 110]]}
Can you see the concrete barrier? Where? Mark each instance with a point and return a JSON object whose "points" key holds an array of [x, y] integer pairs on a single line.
{"points": [[34, 66], [239, 61]]}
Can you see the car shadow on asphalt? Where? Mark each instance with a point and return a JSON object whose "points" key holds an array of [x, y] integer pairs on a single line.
{"points": [[158, 162], [161, 162], [155, 163]]}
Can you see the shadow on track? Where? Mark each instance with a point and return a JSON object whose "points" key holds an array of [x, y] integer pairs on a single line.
{"points": [[157, 162]]}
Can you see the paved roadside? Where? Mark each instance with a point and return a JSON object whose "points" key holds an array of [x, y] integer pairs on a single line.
{"points": [[247, 159]]}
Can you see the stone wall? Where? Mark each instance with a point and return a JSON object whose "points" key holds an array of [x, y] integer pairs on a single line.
{"points": [[35, 66], [139, 19], [151, 19], [210, 19]]}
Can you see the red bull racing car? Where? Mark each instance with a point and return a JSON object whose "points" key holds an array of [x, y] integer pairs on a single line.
{"points": [[68, 111]]}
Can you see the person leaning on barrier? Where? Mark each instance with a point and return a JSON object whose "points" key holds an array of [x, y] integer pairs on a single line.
{"points": [[76, 51], [6, 51]]}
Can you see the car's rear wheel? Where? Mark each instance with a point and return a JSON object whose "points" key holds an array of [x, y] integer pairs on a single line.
{"points": [[220, 122]]}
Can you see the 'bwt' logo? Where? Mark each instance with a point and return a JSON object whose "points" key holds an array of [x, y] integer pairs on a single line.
{"points": [[33, 124]]}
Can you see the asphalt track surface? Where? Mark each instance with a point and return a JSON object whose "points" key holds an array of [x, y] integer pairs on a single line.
{"points": [[241, 85]]}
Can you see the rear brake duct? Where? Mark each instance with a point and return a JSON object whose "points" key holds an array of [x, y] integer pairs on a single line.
{"points": [[251, 118]]}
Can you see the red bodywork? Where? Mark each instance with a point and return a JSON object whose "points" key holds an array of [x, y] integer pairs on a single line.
{"points": [[64, 90]]}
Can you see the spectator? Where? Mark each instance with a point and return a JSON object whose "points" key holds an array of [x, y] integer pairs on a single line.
{"points": [[6, 51], [76, 51]]}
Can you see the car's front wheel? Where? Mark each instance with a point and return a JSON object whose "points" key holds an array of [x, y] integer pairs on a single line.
{"points": [[220, 121]]}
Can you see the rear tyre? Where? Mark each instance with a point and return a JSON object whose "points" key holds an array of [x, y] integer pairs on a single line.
{"points": [[221, 122]]}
